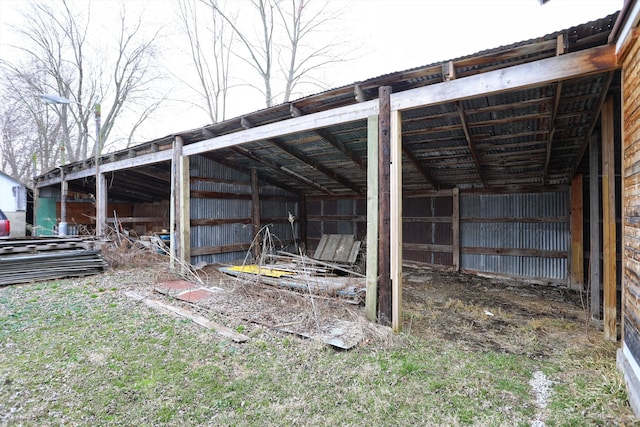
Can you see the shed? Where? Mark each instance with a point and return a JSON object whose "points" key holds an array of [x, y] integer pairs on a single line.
{"points": [[13, 202], [492, 164]]}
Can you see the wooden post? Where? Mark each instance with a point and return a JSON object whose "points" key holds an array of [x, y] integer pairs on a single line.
{"points": [[577, 237], [64, 190], [594, 228], [455, 227], [101, 205], [371, 303], [255, 211], [384, 203], [396, 220], [175, 202], [185, 211], [302, 222], [609, 222]]}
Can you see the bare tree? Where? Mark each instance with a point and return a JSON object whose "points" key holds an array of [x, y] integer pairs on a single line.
{"points": [[58, 45], [287, 33], [31, 137], [210, 43], [301, 23]]}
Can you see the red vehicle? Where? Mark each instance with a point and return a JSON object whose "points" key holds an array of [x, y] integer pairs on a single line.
{"points": [[4, 225]]}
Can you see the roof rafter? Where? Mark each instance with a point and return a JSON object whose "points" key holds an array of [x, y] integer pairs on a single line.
{"points": [[472, 148]]}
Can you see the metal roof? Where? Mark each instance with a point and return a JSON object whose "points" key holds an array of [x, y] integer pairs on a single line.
{"points": [[525, 137]]}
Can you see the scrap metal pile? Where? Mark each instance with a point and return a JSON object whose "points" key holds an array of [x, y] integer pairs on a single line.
{"points": [[34, 259]]}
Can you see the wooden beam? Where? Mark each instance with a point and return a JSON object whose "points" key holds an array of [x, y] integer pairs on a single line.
{"points": [[581, 63], [185, 214], [371, 303], [396, 219], [302, 222], [255, 212], [594, 227], [421, 168], [268, 180], [281, 169], [552, 131], [609, 222], [455, 228], [577, 237], [174, 204], [470, 143], [594, 121], [384, 209], [342, 147], [101, 204], [294, 152]]}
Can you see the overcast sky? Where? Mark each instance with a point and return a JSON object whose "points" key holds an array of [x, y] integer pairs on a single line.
{"points": [[394, 35]]}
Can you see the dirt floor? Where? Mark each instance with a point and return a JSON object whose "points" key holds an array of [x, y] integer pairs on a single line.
{"points": [[477, 313]]}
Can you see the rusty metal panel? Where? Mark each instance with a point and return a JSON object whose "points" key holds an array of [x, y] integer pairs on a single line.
{"points": [[502, 230], [233, 182]]}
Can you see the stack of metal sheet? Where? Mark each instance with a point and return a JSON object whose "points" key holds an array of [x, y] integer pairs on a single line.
{"points": [[28, 260]]}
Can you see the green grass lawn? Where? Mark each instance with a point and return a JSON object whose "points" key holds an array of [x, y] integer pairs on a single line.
{"points": [[79, 352]]}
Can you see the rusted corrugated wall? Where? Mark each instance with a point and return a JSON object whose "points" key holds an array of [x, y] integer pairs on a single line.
{"points": [[427, 230], [221, 227], [519, 235], [335, 216]]}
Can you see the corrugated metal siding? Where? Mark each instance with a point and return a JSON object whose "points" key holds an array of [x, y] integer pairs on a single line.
{"points": [[420, 230], [496, 234], [335, 216], [203, 236]]}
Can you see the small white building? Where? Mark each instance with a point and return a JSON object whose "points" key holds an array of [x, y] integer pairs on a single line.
{"points": [[13, 202]]}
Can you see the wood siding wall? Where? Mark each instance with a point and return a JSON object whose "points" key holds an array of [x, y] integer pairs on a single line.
{"points": [[631, 203]]}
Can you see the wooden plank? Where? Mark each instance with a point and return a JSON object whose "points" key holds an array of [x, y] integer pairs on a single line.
{"points": [[371, 302], [384, 200], [196, 318], [396, 219], [577, 237], [609, 222], [343, 250], [594, 228], [210, 250], [538, 253], [455, 228]]}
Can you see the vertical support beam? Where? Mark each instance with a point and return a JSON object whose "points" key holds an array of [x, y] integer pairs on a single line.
{"points": [[384, 203], [609, 221], [594, 228], [302, 223], [185, 211], [396, 220], [64, 190], [455, 227], [175, 202], [255, 211], [371, 303], [577, 235], [36, 205], [101, 205]]}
